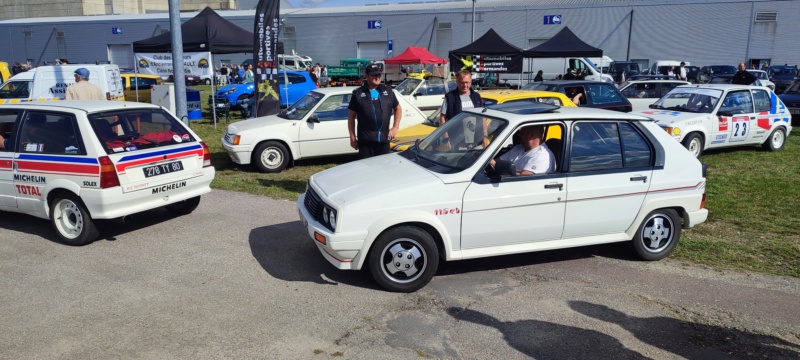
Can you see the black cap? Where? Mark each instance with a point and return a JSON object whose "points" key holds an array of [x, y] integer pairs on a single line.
{"points": [[683, 63], [373, 69]]}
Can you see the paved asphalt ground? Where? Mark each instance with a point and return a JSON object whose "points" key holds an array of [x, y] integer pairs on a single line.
{"points": [[238, 279]]}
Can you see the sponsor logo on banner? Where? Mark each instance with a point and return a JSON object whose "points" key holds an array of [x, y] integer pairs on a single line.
{"points": [[161, 64]]}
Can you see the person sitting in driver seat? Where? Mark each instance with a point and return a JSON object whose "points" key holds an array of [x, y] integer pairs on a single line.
{"points": [[531, 155]]}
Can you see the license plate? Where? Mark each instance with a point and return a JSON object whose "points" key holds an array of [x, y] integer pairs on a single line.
{"points": [[162, 169], [794, 111]]}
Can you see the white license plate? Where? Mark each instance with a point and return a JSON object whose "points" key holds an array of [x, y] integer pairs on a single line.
{"points": [[162, 169]]}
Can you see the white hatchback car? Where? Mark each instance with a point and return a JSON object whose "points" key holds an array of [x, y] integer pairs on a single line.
{"points": [[314, 126], [618, 177], [77, 161], [643, 93], [720, 115]]}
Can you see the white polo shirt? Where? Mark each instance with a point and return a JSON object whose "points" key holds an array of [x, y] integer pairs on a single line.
{"points": [[539, 160]]}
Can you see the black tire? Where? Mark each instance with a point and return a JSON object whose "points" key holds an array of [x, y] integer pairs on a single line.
{"points": [[694, 143], [776, 140], [239, 101], [415, 256], [658, 235], [208, 81], [271, 157], [184, 207], [71, 221]]}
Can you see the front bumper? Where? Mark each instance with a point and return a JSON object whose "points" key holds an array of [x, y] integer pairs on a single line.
{"points": [[239, 154], [342, 250]]}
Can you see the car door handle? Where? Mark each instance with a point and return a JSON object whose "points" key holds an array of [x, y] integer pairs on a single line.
{"points": [[752, 118], [639, 178], [554, 186]]}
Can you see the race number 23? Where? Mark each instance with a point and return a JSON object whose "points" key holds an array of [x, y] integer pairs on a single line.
{"points": [[740, 126]]}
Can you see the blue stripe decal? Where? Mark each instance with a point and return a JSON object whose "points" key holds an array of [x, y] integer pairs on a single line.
{"points": [[157, 153], [58, 159]]}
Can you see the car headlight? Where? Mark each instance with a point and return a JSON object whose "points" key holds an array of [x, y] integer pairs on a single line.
{"points": [[673, 130], [231, 91], [333, 219], [328, 217]]}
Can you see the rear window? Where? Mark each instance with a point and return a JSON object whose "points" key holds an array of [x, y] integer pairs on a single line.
{"points": [[132, 130]]}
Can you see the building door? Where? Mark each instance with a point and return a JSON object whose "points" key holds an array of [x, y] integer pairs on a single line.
{"points": [[121, 55]]}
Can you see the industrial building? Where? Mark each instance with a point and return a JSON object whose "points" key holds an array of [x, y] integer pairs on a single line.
{"points": [[701, 32]]}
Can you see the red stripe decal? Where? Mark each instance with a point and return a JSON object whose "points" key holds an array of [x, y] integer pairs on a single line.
{"points": [[58, 167]]}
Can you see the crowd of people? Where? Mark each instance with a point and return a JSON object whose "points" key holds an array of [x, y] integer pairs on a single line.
{"points": [[235, 74]]}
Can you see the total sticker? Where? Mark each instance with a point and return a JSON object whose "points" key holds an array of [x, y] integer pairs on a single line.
{"points": [[176, 138]]}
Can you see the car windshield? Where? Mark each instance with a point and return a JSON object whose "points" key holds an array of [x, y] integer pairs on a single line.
{"points": [[591, 65], [301, 107], [457, 144], [688, 99], [16, 89], [541, 86], [783, 71], [407, 86], [132, 130], [759, 74], [795, 87], [629, 68], [721, 70]]}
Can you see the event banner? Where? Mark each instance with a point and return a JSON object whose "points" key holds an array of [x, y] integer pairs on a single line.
{"points": [[161, 64], [486, 63], [265, 55]]}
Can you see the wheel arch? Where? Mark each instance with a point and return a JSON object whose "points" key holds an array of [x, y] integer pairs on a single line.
{"points": [[433, 227], [281, 140], [61, 191], [696, 130]]}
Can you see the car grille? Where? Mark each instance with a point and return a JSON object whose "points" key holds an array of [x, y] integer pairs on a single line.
{"points": [[313, 204]]}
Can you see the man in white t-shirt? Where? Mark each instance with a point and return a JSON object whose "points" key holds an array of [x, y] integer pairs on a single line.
{"points": [[681, 74], [531, 155], [463, 97]]}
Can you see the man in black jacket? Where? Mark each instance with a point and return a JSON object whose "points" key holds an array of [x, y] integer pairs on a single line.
{"points": [[373, 104], [462, 97], [742, 77]]}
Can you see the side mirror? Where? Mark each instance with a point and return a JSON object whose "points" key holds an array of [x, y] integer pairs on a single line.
{"points": [[653, 106], [314, 118]]}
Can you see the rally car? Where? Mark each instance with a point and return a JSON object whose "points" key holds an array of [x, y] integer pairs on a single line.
{"points": [[74, 162], [719, 115], [617, 178]]}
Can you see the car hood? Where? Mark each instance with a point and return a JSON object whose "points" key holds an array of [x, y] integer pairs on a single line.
{"points": [[236, 86], [259, 124], [666, 117], [373, 177]]}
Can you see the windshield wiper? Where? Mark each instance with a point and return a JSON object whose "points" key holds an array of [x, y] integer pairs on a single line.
{"points": [[416, 150]]}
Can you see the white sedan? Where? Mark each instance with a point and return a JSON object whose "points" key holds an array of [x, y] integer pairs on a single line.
{"points": [[314, 126]]}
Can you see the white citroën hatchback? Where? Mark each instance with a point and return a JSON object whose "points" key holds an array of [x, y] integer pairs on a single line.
{"points": [[618, 178]]}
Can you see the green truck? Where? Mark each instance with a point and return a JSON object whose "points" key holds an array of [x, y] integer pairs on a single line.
{"points": [[350, 72]]}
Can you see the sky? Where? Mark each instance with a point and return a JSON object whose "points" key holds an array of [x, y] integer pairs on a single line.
{"points": [[332, 3]]}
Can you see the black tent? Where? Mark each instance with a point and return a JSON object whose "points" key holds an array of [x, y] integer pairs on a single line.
{"points": [[206, 32], [489, 54], [563, 44]]}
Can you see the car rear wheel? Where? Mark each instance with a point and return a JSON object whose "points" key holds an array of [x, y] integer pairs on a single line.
{"points": [[271, 157], [208, 81], [72, 222], [694, 143], [184, 207], [776, 141], [404, 259], [658, 235]]}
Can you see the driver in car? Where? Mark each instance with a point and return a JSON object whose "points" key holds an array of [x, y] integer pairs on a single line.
{"points": [[531, 155]]}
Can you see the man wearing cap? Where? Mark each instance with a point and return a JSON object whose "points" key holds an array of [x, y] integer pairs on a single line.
{"points": [[82, 89], [373, 103]]}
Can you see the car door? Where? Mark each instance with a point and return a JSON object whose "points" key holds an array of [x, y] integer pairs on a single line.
{"points": [[8, 193], [325, 130], [766, 110], [514, 209], [737, 106], [608, 170]]}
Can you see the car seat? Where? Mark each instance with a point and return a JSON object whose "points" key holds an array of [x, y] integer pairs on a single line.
{"points": [[103, 130], [555, 145]]}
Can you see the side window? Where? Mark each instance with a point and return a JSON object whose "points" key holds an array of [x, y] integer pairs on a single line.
{"points": [[595, 146], [667, 87], [296, 79], [603, 94], [435, 86], [762, 101], [333, 108], [737, 102], [636, 150], [8, 119], [49, 133]]}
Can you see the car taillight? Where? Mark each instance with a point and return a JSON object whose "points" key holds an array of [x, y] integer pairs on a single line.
{"points": [[108, 175], [703, 202], [206, 155]]}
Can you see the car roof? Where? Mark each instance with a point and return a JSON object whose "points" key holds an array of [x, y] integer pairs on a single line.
{"points": [[90, 106], [560, 113], [724, 87], [336, 89], [571, 82], [646, 81], [518, 94]]}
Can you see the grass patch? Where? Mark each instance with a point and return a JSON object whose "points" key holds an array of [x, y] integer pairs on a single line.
{"points": [[753, 197]]}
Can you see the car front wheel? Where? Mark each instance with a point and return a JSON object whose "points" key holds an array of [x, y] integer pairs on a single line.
{"points": [[271, 157], [208, 81], [694, 143], [776, 141], [658, 235], [404, 259], [72, 222]]}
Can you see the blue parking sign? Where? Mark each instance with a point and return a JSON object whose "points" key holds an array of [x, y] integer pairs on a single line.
{"points": [[116, 30], [374, 24], [552, 20]]}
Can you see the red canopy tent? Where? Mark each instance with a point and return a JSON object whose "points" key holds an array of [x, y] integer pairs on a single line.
{"points": [[416, 55]]}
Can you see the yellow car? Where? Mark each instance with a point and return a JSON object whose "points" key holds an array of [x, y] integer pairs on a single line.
{"points": [[409, 135], [4, 73], [145, 82]]}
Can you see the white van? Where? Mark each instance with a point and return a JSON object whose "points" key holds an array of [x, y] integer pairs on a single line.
{"points": [[602, 63], [51, 82], [661, 66], [553, 67]]}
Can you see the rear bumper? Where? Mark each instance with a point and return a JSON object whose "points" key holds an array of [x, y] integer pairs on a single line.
{"points": [[690, 219], [113, 203]]}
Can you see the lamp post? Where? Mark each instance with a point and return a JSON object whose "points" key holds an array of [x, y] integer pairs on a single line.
{"points": [[473, 20]]}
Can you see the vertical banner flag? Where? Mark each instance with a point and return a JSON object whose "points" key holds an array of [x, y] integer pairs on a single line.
{"points": [[265, 58]]}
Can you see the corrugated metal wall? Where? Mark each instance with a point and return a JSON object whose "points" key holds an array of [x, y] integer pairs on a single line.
{"points": [[700, 32]]}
